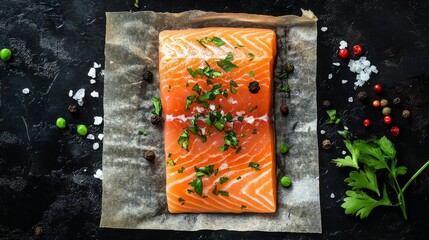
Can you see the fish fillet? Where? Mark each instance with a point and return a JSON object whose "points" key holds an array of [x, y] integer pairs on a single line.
{"points": [[219, 140]]}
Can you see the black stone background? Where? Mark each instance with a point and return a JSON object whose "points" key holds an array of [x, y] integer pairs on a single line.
{"points": [[46, 175]]}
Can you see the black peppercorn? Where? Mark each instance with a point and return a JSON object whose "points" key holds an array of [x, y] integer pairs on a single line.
{"points": [[326, 103], [284, 108], [147, 76], [149, 155], [326, 144], [155, 119], [72, 108], [289, 67], [362, 96], [254, 87]]}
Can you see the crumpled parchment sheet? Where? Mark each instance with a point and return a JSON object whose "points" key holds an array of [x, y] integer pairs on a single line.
{"points": [[134, 189]]}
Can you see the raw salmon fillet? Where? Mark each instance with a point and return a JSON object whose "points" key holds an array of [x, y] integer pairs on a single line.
{"points": [[216, 93]]}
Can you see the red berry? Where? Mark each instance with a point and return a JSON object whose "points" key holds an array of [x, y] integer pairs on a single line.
{"points": [[357, 50], [376, 103], [366, 122], [378, 88], [394, 130], [343, 53], [387, 119]]}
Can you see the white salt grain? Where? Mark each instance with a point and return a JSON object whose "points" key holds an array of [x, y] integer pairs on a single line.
{"points": [[346, 128], [99, 174], [336, 64], [343, 44], [344, 81], [102, 72], [332, 195], [350, 99], [330, 76], [95, 146], [323, 29], [90, 137], [91, 72], [96, 65], [98, 120], [92, 81], [344, 152], [94, 94], [322, 132], [71, 93], [80, 102], [100, 136], [79, 95], [26, 91]]}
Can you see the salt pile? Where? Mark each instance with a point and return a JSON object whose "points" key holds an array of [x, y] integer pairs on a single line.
{"points": [[99, 174], [363, 69]]}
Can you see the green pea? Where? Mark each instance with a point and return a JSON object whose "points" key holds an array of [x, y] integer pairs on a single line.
{"points": [[82, 130], [5, 54], [285, 181], [61, 123], [284, 148]]}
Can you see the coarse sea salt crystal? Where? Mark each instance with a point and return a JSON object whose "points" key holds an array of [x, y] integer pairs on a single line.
{"points": [[94, 94], [346, 128], [96, 65], [102, 72], [95, 146], [98, 120], [323, 29], [336, 64], [26, 91], [344, 152], [79, 95], [71, 93], [332, 195], [322, 132], [99, 174], [90, 136], [91, 72], [232, 101], [344, 81], [350, 99], [330, 76], [100, 136], [92, 81], [343, 44]]}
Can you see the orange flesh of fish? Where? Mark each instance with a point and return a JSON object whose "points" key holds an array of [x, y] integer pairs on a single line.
{"points": [[251, 184]]}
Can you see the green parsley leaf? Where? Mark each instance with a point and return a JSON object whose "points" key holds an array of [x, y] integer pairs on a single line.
{"points": [[251, 56], [189, 191], [254, 165], [226, 63], [232, 86], [332, 113], [238, 149], [238, 178], [363, 179], [198, 186], [240, 118], [157, 104], [255, 131], [360, 204], [184, 140], [222, 180], [349, 161], [197, 88], [171, 163], [387, 147], [243, 206], [189, 101], [218, 41], [224, 193], [181, 170], [192, 72], [136, 3], [142, 132], [204, 171], [284, 88], [169, 155], [252, 73]]}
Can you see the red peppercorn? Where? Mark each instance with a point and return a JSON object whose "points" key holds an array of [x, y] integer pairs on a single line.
{"points": [[387, 119], [366, 122], [394, 130], [343, 53], [378, 88], [376, 103], [357, 49]]}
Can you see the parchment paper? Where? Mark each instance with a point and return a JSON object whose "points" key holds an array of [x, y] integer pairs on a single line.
{"points": [[134, 189]]}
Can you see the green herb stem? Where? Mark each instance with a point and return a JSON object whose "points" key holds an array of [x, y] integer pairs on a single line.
{"points": [[415, 176]]}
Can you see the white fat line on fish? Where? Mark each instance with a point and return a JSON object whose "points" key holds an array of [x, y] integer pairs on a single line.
{"points": [[248, 119]]}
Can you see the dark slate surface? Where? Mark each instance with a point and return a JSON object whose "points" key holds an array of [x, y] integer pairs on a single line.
{"points": [[46, 174]]}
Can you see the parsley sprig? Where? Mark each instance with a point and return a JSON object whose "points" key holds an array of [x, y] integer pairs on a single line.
{"points": [[375, 162]]}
